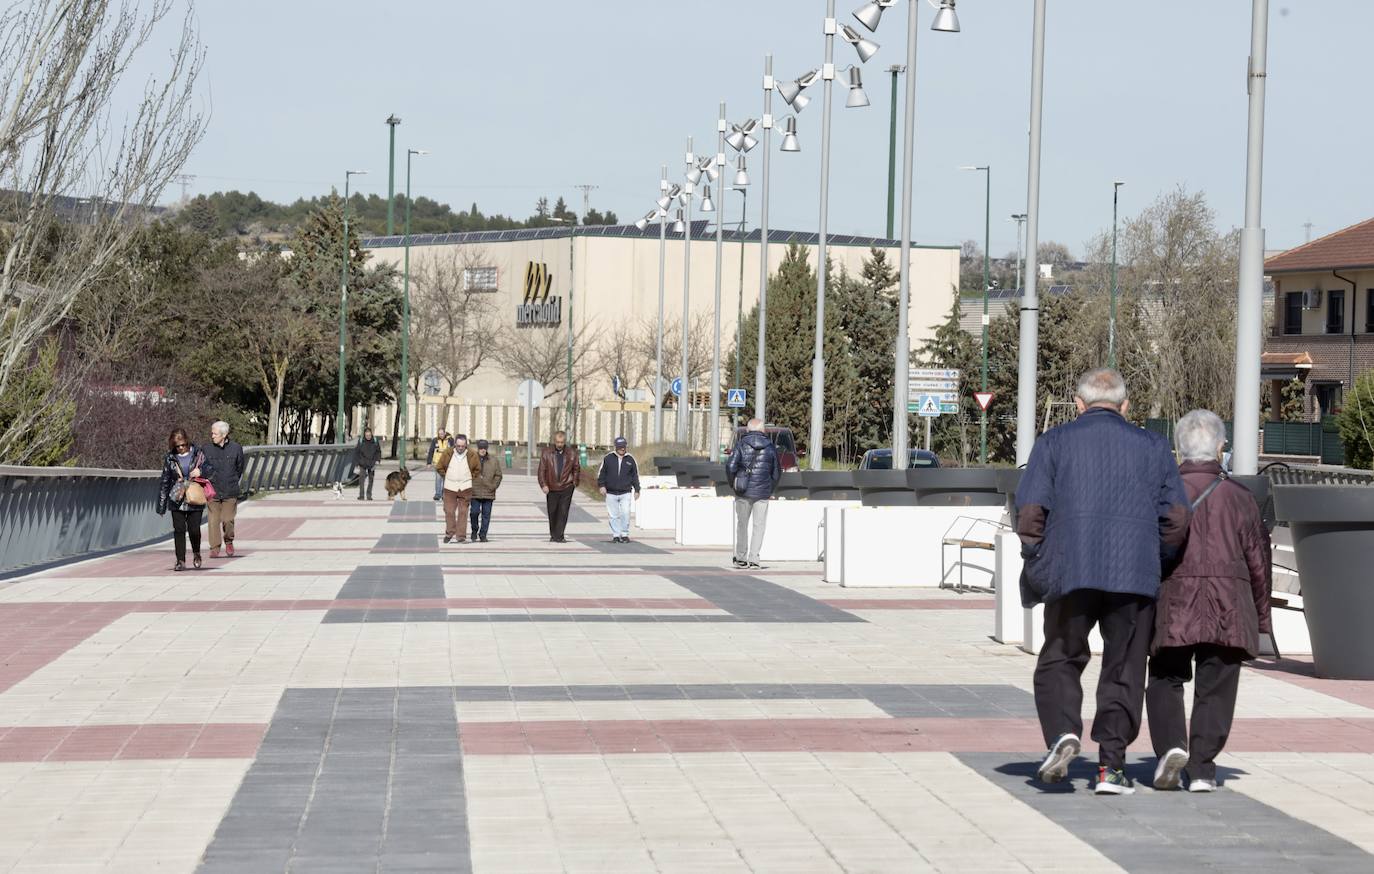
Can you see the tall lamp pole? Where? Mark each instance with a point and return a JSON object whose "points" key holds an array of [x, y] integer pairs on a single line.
{"points": [[1030, 301], [340, 424], [391, 123], [815, 447], [1111, 318], [684, 400], [713, 450], [1250, 307], [405, 320], [658, 348], [895, 69], [1020, 219], [739, 309], [987, 286], [760, 371]]}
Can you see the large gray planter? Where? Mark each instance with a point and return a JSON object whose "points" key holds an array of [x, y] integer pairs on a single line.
{"points": [[697, 472], [830, 485], [884, 488], [955, 487], [1333, 536], [791, 487]]}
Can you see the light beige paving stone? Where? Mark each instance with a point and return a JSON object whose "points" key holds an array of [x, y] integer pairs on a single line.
{"points": [[1332, 791]]}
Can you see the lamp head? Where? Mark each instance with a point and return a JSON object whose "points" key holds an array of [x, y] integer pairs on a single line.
{"points": [[741, 177], [678, 225], [644, 222], [866, 48], [707, 205], [857, 96], [417, 152], [946, 19], [871, 13], [789, 135]]}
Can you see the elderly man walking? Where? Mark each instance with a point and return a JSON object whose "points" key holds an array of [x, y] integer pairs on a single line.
{"points": [[1100, 510], [618, 482], [459, 465], [559, 473], [226, 457], [754, 470]]}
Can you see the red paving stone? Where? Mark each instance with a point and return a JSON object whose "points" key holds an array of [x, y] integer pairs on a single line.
{"points": [[1301, 672], [103, 743], [32, 635], [909, 603]]}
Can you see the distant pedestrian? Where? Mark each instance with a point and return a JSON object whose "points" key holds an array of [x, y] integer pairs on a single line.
{"points": [[485, 481], [459, 465], [226, 457], [559, 474], [754, 470], [1099, 509], [179, 492], [1212, 609], [618, 482], [366, 456], [437, 444]]}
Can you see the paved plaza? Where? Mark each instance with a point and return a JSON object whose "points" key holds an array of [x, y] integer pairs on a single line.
{"points": [[348, 694]]}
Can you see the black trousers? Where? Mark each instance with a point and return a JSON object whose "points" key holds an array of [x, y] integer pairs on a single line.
{"points": [[480, 516], [365, 477], [1127, 624], [559, 503], [186, 524], [1214, 702]]}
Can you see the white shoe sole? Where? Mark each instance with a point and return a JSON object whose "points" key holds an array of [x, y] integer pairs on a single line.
{"points": [[1169, 771], [1056, 765], [1202, 786], [1113, 789]]}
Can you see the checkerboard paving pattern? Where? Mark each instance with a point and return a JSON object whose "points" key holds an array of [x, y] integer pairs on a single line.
{"points": [[350, 694]]}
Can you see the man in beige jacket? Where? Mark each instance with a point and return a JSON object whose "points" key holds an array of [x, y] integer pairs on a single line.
{"points": [[459, 466]]}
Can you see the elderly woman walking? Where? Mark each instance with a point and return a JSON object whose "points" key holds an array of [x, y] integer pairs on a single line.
{"points": [[1212, 608], [185, 473]]}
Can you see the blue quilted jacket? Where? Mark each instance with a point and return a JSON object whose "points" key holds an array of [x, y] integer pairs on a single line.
{"points": [[1101, 506]]}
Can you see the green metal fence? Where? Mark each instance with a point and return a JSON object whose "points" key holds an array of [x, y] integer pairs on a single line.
{"points": [[1311, 439]]}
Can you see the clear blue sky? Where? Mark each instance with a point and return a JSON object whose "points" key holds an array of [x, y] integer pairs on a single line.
{"points": [[518, 98]]}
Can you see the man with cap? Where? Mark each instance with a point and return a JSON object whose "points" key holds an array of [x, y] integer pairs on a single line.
{"points": [[618, 481], [485, 482]]}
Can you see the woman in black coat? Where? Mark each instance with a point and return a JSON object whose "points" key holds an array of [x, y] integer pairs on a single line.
{"points": [[183, 463]]}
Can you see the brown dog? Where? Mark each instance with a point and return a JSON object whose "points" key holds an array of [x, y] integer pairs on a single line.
{"points": [[396, 483]]}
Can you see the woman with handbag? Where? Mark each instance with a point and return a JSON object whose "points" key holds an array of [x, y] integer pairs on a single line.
{"points": [[185, 489]]}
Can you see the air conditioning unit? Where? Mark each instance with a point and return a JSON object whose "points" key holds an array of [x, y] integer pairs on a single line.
{"points": [[1312, 300]]}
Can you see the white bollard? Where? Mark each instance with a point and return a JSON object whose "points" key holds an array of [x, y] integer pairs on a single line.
{"points": [[1008, 622]]}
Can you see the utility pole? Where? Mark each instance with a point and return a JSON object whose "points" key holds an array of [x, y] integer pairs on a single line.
{"points": [[391, 123], [185, 180], [586, 199], [895, 69], [1020, 219]]}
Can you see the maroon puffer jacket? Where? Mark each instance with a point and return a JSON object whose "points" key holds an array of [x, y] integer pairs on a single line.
{"points": [[1219, 591]]}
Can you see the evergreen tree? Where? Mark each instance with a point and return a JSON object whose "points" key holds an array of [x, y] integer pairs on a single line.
{"points": [[868, 319], [953, 436]]}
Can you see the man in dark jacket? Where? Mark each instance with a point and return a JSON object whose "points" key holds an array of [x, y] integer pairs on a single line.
{"points": [[618, 482], [437, 444], [226, 457], [559, 473], [485, 482], [754, 471], [366, 456], [1212, 608], [1099, 509]]}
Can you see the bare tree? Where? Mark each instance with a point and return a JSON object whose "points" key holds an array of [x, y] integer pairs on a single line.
{"points": [[627, 350], [79, 182], [460, 314], [542, 354], [699, 347]]}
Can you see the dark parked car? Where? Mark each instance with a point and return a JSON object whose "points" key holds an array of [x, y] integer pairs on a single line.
{"points": [[784, 441], [881, 459]]}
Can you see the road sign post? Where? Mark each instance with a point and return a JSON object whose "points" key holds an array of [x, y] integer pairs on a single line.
{"points": [[529, 394]]}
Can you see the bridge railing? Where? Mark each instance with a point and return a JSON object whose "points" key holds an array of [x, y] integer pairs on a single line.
{"points": [[49, 514]]}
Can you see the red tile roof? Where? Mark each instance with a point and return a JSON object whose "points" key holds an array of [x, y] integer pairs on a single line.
{"points": [[1348, 248], [1292, 359]]}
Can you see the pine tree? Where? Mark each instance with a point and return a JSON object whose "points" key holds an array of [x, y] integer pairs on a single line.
{"points": [[952, 435], [868, 320]]}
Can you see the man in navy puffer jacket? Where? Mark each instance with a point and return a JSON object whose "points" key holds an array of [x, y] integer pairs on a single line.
{"points": [[1100, 509], [754, 470]]}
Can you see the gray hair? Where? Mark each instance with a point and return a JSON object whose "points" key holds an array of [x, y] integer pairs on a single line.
{"points": [[1101, 386], [221, 428], [1199, 436], [755, 424]]}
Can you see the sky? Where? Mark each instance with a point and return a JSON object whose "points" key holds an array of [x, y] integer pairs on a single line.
{"points": [[521, 98]]}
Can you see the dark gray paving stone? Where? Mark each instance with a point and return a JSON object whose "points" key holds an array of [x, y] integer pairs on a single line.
{"points": [[634, 547], [407, 543], [576, 515], [1168, 832], [756, 600], [387, 583], [413, 511]]}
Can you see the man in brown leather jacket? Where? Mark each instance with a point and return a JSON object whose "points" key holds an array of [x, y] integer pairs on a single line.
{"points": [[559, 474]]}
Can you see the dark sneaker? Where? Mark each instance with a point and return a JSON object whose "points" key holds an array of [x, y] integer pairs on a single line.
{"points": [[738, 563], [484, 540], [448, 538], [755, 566], [195, 561], [1113, 781], [1170, 768], [180, 566], [1056, 765]]}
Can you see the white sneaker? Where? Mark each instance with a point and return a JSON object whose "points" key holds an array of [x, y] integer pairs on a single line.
{"points": [[1202, 785], [1056, 765], [1170, 767]]}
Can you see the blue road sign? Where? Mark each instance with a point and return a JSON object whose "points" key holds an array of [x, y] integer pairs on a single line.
{"points": [[677, 386], [734, 398], [928, 405]]}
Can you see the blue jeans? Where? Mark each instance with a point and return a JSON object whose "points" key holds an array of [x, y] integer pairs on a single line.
{"points": [[619, 508], [480, 516], [438, 485]]}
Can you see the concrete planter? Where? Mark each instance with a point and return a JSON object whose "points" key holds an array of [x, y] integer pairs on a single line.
{"points": [[884, 488], [955, 487], [830, 485], [791, 487], [1333, 537], [695, 473]]}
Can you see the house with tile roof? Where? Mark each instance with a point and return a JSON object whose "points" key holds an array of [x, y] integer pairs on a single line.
{"points": [[1323, 318]]}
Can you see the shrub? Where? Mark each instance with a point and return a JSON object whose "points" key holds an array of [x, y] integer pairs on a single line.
{"points": [[1356, 423]]}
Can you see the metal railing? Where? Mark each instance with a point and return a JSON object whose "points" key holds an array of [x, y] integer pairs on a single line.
{"points": [[1285, 475], [52, 514]]}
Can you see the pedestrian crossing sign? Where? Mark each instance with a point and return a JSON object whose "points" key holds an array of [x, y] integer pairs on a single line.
{"points": [[928, 405], [734, 398]]}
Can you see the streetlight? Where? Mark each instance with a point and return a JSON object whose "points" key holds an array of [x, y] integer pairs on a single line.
{"points": [[895, 70], [739, 310], [405, 319], [667, 195], [1111, 319], [340, 424], [572, 245], [685, 196], [1250, 306], [1020, 219], [1027, 354], [902, 369], [987, 282], [391, 122]]}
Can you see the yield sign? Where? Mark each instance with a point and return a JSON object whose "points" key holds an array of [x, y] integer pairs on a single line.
{"points": [[984, 399]]}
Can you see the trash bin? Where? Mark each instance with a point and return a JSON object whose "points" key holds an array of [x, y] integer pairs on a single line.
{"points": [[582, 454], [510, 456]]}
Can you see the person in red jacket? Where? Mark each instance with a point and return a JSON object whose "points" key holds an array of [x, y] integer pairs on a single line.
{"points": [[1212, 608]]}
